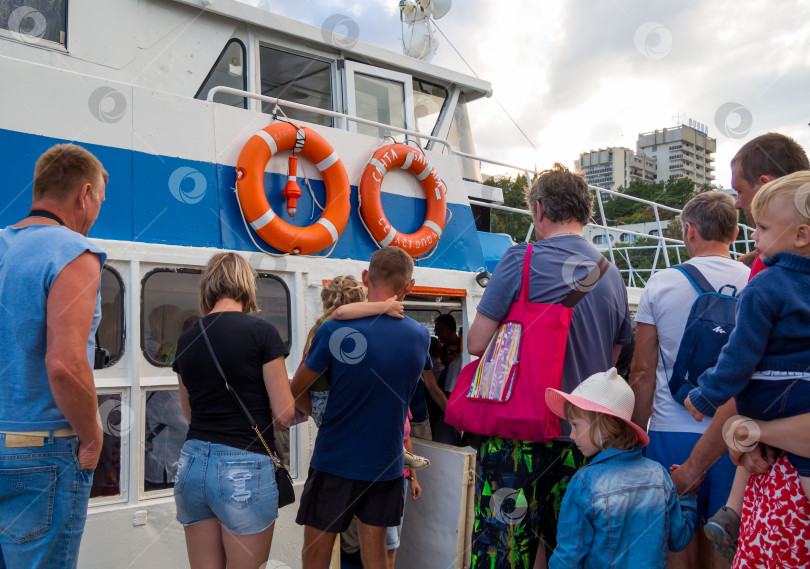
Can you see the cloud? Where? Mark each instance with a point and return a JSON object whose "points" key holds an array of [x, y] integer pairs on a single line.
{"points": [[580, 75]]}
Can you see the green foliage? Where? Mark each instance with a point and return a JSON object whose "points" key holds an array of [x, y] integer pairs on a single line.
{"points": [[514, 224], [642, 260], [674, 193]]}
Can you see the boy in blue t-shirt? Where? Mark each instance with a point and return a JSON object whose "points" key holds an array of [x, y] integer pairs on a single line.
{"points": [[374, 364]]}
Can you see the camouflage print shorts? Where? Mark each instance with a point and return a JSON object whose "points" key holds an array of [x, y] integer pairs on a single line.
{"points": [[518, 492]]}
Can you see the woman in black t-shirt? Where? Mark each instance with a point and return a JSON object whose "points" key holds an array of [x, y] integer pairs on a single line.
{"points": [[226, 493]]}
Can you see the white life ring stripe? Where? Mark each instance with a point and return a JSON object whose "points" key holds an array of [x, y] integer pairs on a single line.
{"points": [[433, 226], [408, 161], [300, 138], [271, 142], [379, 166], [425, 173], [263, 220], [330, 227], [388, 238], [327, 162]]}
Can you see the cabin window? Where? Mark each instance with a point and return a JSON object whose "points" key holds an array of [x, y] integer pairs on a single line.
{"points": [[110, 333], [170, 305], [379, 95], [428, 101], [165, 429], [42, 23], [297, 79], [425, 317], [461, 138], [228, 71], [116, 420]]}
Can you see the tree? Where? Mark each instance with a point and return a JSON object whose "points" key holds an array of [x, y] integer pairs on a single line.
{"points": [[674, 192], [514, 224]]}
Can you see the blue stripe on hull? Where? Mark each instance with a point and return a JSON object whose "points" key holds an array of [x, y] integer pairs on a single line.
{"points": [[186, 202]]}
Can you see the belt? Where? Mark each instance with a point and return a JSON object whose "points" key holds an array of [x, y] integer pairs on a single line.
{"points": [[19, 439]]}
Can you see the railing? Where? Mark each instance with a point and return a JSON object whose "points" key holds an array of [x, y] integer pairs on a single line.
{"points": [[634, 275], [662, 248], [319, 111]]}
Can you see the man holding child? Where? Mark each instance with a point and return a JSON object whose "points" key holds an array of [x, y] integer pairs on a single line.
{"points": [[374, 365]]}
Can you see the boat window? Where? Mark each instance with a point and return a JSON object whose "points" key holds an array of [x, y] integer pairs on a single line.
{"points": [[228, 71], [428, 100], [165, 429], [379, 95], [273, 298], [297, 79], [41, 23], [110, 333], [460, 137], [425, 317], [116, 420], [170, 306]]}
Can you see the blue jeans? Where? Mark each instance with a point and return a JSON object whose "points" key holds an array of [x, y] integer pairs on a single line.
{"points": [[236, 486], [43, 504]]}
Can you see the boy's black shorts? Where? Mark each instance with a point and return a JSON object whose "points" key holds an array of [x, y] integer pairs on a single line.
{"points": [[330, 502]]}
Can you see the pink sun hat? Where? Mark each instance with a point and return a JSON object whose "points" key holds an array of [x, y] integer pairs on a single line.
{"points": [[604, 392]]}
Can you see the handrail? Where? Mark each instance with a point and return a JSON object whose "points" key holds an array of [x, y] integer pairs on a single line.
{"points": [[318, 111], [496, 162], [594, 225]]}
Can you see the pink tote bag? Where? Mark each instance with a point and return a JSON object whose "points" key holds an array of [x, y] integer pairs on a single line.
{"points": [[503, 392]]}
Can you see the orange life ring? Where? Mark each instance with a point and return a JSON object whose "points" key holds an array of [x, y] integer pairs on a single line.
{"points": [[270, 227], [410, 159]]}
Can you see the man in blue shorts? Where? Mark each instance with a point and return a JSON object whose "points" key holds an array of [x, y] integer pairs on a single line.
{"points": [[374, 365], [709, 226]]}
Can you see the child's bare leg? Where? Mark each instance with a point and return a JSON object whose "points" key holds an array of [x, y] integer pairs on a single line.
{"points": [[805, 480], [735, 498], [723, 528], [540, 559]]}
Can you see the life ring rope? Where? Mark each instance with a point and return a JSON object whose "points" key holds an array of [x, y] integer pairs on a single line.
{"points": [[256, 210]]}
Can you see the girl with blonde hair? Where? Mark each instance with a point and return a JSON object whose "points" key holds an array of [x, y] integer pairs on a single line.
{"points": [[343, 298]]}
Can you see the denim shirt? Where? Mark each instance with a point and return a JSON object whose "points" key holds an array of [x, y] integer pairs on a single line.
{"points": [[622, 510]]}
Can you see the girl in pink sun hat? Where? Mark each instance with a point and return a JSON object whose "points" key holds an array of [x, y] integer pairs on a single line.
{"points": [[621, 510]]}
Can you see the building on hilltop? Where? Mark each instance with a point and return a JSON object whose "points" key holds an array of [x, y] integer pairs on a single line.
{"points": [[680, 152], [615, 167]]}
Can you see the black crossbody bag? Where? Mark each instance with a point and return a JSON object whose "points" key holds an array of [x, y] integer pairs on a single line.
{"points": [[286, 494]]}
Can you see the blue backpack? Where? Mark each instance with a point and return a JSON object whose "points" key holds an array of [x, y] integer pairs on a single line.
{"points": [[710, 323]]}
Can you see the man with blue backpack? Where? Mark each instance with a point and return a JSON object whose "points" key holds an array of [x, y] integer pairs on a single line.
{"points": [[685, 316]]}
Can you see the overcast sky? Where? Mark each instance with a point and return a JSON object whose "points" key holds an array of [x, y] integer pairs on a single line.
{"points": [[584, 74]]}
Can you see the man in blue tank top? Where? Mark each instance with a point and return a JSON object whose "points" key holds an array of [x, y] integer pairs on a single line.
{"points": [[50, 436], [374, 365]]}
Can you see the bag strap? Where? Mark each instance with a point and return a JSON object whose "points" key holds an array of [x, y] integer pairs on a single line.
{"points": [[695, 277], [524, 283], [594, 276], [239, 403]]}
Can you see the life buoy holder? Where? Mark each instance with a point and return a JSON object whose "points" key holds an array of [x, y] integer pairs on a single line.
{"points": [[253, 159], [371, 210]]}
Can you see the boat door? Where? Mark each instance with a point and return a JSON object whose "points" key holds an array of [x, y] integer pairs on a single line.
{"points": [[437, 528]]}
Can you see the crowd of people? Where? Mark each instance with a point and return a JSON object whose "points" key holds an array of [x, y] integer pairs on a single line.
{"points": [[643, 461]]}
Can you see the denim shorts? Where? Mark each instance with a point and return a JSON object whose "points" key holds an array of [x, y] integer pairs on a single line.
{"points": [[44, 495], [235, 486]]}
